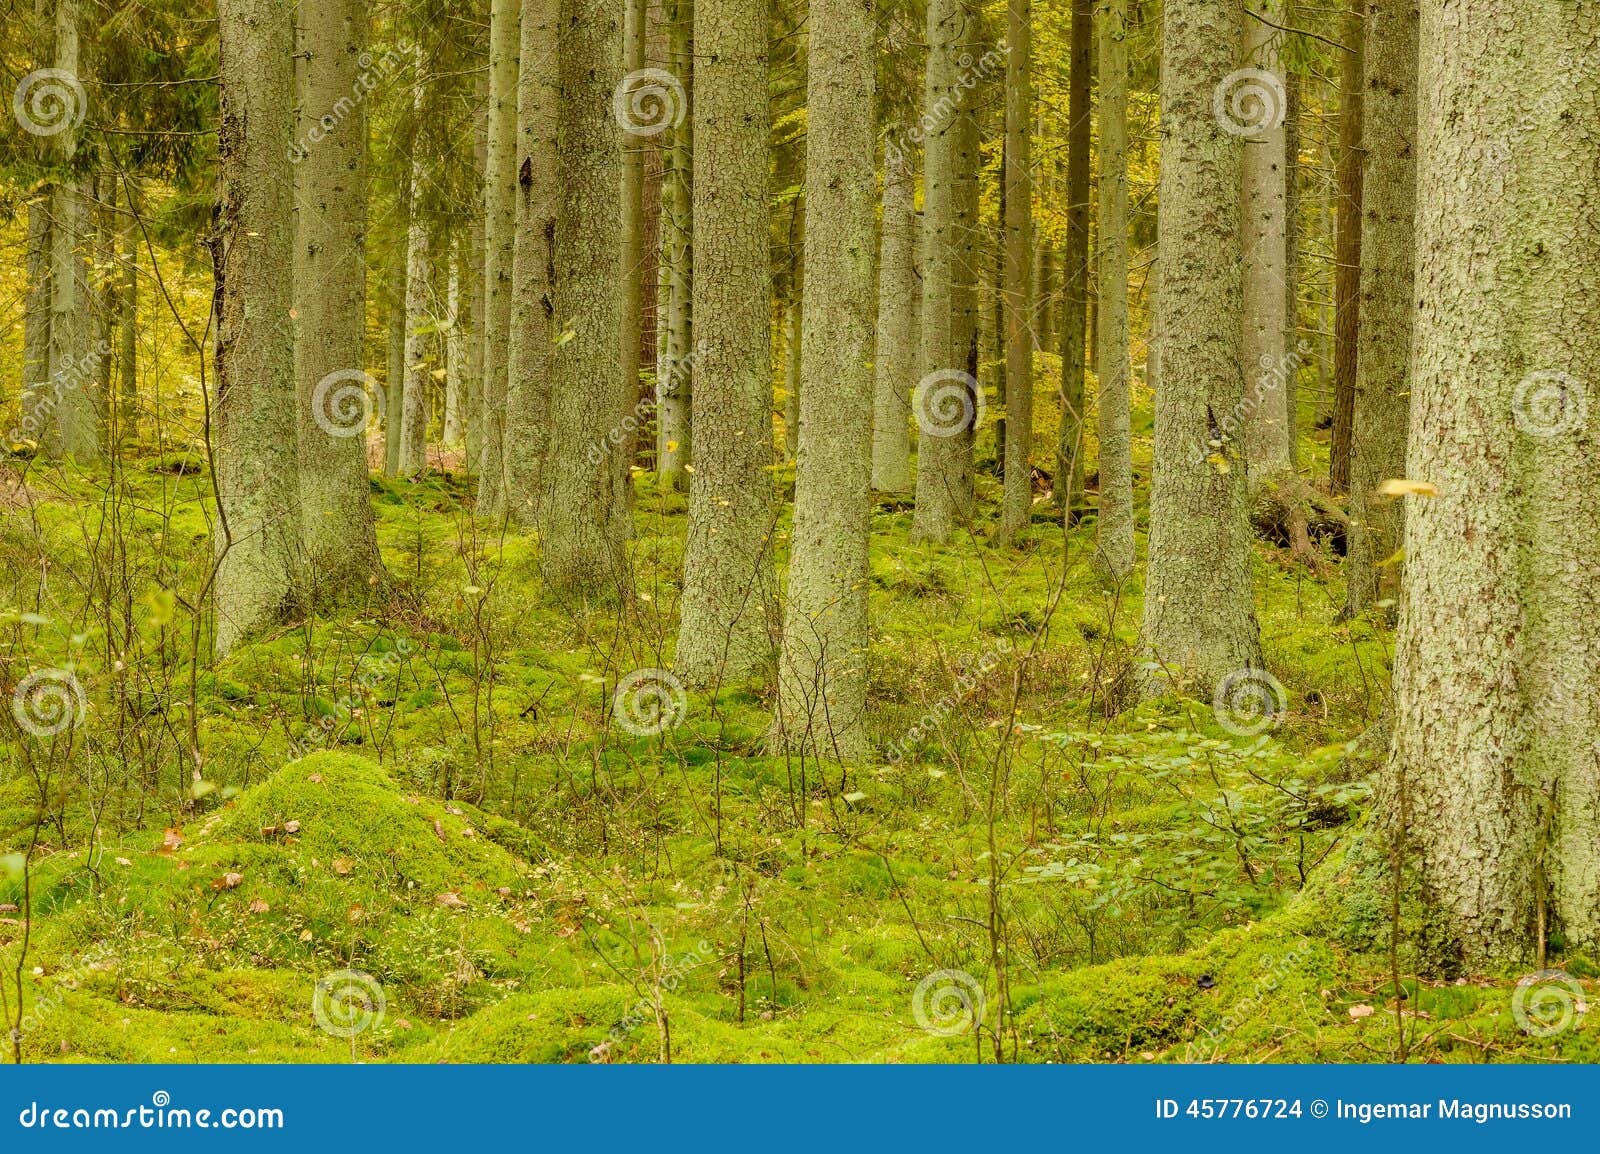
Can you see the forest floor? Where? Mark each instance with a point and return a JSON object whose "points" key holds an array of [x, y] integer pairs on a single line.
{"points": [[519, 878]]}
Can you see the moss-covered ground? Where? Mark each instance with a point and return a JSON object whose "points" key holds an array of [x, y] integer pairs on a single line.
{"points": [[433, 790]]}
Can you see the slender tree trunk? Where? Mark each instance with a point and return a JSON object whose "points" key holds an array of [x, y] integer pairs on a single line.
{"points": [[631, 270], [36, 323], [676, 376], [895, 360], [534, 322], [1291, 251], [330, 287], [581, 510], [394, 391], [823, 674], [419, 312], [1075, 264], [1494, 770], [499, 241], [1017, 506], [455, 347], [472, 397], [793, 369], [128, 322], [1263, 239], [966, 310], [257, 475], [1347, 246], [729, 607], [1199, 619], [942, 401], [1114, 526], [1383, 386]]}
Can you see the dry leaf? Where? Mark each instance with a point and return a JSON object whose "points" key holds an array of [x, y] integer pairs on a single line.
{"points": [[122, 861], [451, 900], [305, 935], [1361, 1011], [257, 906], [342, 866], [355, 914], [227, 881], [170, 841], [291, 827], [9, 907], [316, 778], [1401, 487], [438, 829]]}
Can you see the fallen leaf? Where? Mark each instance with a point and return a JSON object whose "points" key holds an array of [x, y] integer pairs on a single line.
{"points": [[9, 907], [438, 829], [170, 841], [451, 900], [1361, 1011], [316, 778], [342, 866], [227, 881], [305, 935], [402, 1024], [1402, 487], [355, 914], [291, 827], [122, 861], [257, 906]]}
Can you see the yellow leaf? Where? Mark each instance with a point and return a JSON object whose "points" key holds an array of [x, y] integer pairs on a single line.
{"points": [[1401, 487]]}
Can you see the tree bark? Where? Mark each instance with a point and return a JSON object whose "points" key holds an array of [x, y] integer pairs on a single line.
{"points": [[419, 300], [728, 613], [1017, 504], [1114, 556], [581, 511], [1263, 241], [822, 684], [1199, 619], [1494, 769], [499, 242], [1075, 264], [1347, 245], [676, 374], [330, 287], [1383, 387], [258, 537], [895, 359], [455, 347]]}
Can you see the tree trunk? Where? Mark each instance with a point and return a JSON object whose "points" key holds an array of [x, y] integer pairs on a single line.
{"points": [[472, 397], [1383, 387], [499, 241], [419, 299], [394, 391], [895, 359], [823, 674], [1075, 264], [1199, 619], [1263, 240], [1347, 247], [1017, 505], [1114, 555], [258, 536], [534, 322], [128, 322], [455, 348], [33, 420], [966, 311], [729, 607], [581, 511], [330, 286], [942, 402], [676, 375], [793, 369], [631, 269], [1494, 768], [1291, 250]]}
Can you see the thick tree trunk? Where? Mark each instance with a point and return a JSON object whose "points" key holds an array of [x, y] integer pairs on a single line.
{"points": [[1263, 241], [330, 285], [1114, 555], [1347, 245], [1494, 769], [1383, 387], [538, 164], [728, 613], [581, 511], [1199, 619], [676, 375], [942, 402], [1017, 506], [499, 241], [1075, 264], [822, 688], [895, 361], [258, 535]]}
